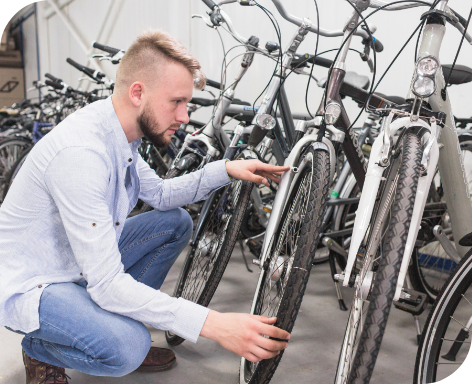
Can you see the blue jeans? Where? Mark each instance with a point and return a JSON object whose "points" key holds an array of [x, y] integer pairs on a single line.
{"points": [[116, 345]]}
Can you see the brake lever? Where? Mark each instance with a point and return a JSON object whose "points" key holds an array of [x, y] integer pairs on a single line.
{"points": [[205, 19]]}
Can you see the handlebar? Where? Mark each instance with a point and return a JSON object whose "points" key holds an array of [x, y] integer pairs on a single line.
{"points": [[51, 77], [213, 84], [106, 48], [313, 28], [88, 71], [54, 84], [210, 4]]}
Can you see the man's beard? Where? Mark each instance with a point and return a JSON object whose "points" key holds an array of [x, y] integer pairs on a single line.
{"points": [[149, 127]]}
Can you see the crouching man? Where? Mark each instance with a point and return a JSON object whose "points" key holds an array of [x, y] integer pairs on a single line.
{"points": [[77, 278]]}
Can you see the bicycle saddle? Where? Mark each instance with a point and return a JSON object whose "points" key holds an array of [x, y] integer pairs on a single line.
{"points": [[460, 74], [352, 78], [466, 241]]}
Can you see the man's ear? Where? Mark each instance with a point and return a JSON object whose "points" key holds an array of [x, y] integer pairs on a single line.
{"points": [[136, 91]]}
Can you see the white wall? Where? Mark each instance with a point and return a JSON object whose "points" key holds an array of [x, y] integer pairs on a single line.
{"points": [[118, 22]]}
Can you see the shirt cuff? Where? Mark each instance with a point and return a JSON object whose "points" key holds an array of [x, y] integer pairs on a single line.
{"points": [[216, 174], [189, 320]]}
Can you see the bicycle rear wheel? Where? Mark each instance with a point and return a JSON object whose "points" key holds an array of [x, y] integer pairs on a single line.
{"points": [[207, 259], [285, 273], [11, 152], [381, 259], [445, 341]]}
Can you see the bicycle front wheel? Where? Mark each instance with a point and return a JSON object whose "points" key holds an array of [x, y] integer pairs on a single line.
{"points": [[285, 273], [376, 281], [445, 340]]}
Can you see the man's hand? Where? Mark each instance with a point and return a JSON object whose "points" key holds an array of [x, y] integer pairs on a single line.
{"points": [[241, 333], [255, 171]]}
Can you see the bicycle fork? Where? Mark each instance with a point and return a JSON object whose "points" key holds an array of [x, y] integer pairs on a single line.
{"points": [[379, 161]]}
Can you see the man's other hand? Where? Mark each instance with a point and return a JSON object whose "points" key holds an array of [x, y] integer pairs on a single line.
{"points": [[242, 333], [255, 171]]}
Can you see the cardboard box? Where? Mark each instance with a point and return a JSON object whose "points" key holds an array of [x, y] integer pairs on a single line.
{"points": [[12, 89], [10, 59]]}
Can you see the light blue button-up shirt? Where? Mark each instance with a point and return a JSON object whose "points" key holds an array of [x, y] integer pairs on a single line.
{"points": [[64, 214]]}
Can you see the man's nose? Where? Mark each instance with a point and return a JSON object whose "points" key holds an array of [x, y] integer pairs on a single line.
{"points": [[182, 115]]}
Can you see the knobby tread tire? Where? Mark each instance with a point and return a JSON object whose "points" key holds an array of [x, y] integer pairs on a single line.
{"points": [[303, 260], [13, 172], [232, 235], [389, 266], [438, 320]]}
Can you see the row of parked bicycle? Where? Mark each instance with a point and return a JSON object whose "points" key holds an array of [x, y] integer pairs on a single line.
{"points": [[401, 241]]}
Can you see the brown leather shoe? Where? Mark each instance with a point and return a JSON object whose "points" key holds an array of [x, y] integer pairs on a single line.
{"points": [[42, 373], [157, 359]]}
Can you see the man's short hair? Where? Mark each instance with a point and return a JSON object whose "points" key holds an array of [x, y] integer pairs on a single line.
{"points": [[148, 49]]}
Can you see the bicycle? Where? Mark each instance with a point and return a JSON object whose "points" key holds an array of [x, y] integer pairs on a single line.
{"points": [[443, 346], [401, 168], [295, 224]]}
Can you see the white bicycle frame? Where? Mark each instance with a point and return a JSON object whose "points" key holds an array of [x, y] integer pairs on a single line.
{"points": [[450, 167]]}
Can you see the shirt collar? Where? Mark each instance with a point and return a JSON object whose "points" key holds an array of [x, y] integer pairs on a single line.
{"points": [[125, 149]]}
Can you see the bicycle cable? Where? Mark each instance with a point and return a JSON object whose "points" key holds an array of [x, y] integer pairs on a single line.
{"points": [[443, 91], [313, 66]]}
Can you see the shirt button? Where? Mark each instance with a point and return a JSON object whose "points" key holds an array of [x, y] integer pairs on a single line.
{"points": [[117, 223], [81, 274], [40, 286], [125, 185], [130, 159]]}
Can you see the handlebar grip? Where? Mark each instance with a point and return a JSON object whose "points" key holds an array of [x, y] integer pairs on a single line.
{"points": [[106, 48], [213, 84], [54, 79], [88, 71], [378, 46], [322, 62], [54, 84], [210, 4]]}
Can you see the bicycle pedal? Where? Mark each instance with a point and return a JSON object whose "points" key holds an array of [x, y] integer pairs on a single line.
{"points": [[412, 301], [255, 247]]}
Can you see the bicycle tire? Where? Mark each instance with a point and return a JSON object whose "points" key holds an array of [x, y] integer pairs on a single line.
{"points": [[430, 265], [212, 250], [316, 171], [385, 280], [446, 307], [9, 158]]}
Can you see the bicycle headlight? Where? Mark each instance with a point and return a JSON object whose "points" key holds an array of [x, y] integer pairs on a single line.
{"points": [[424, 82], [265, 121], [332, 113], [423, 86]]}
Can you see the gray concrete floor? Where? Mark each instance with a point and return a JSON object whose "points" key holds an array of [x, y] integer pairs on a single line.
{"points": [[310, 358]]}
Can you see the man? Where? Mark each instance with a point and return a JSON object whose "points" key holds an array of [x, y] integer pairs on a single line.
{"points": [[76, 278]]}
